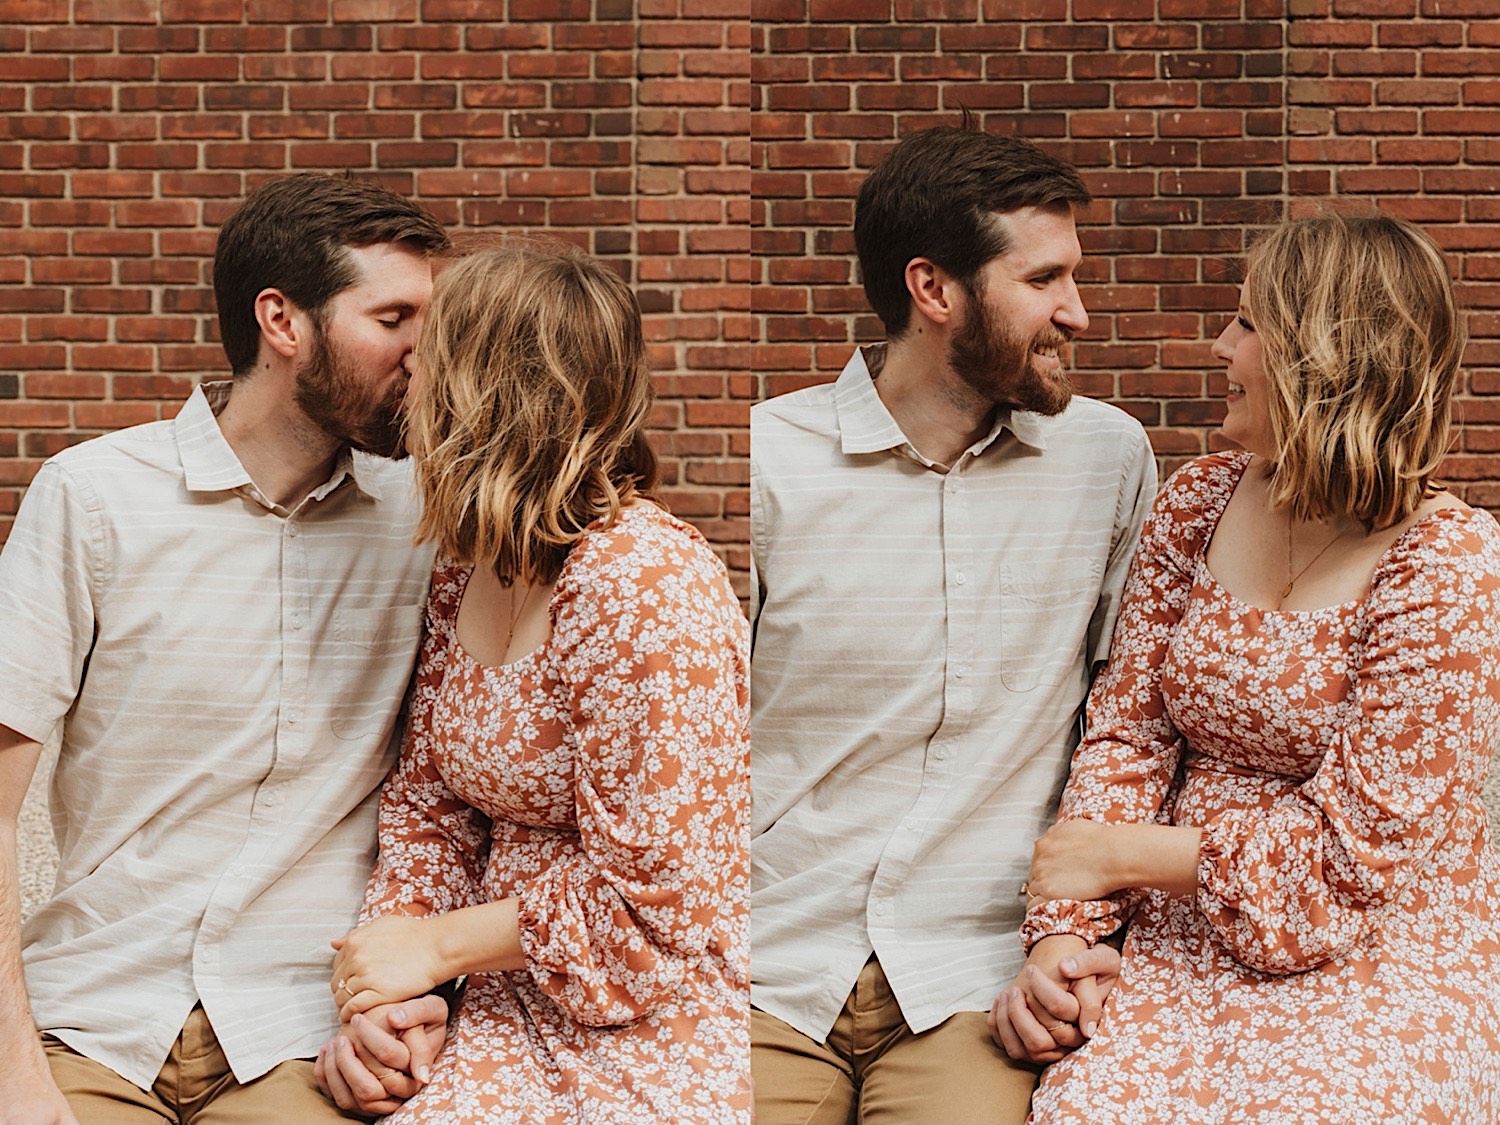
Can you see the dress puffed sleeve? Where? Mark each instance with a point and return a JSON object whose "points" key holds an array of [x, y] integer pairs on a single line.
{"points": [[433, 845], [654, 650], [1292, 887], [1124, 768]]}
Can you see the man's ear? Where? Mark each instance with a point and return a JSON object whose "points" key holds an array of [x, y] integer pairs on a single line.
{"points": [[934, 292], [283, 326]]}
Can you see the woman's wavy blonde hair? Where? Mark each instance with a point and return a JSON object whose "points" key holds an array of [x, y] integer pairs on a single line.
{"points": [[1362, 339], [529, 422]]}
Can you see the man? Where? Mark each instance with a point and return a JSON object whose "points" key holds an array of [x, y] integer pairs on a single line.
{"points": [[940, 539], [222, 611]]}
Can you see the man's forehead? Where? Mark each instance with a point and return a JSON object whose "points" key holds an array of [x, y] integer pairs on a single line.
{"points": [[389, 275], [1038, 237]]}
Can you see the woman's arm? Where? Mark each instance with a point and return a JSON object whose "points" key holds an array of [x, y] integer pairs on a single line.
{"points": [[1083, 859], [1123, 771], [1292, 887], [654, 649]]}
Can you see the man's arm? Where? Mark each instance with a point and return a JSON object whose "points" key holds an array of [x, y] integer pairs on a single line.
{"points": [[27, 1092]]}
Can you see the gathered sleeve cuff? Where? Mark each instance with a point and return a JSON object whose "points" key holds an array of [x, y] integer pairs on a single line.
{"points": [[1306, 882], [655, 651], [433, 845], [1093, 921]]}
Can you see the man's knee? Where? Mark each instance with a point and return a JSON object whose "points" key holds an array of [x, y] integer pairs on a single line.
{"points": [[952, 1074], [99, 1096], [798, 1081]]}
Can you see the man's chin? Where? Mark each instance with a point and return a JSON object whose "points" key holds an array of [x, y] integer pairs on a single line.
{"points": [[1047, 395]]}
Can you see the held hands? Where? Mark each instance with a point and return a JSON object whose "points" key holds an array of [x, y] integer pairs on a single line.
{"points": [[392, 959], [1056, 1001], [383, 1057]]}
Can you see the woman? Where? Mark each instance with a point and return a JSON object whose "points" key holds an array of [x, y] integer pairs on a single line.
{"points": [[1280, 787], [567, 825]]}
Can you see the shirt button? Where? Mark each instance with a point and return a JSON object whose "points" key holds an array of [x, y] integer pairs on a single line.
{"points": [[882, 908], [291, 530], [940, 752], [960, 578], [296, 621], [269, 799]]}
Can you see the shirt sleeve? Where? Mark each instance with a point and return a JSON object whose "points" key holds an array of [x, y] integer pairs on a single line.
{"points": [[433, 845], [1137, 490], [1123, 770], [1305, 883], [653, 648], [49, 571]]}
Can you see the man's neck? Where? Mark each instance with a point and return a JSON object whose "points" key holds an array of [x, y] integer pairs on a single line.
{"points": [[939, 414], [285, 454]]}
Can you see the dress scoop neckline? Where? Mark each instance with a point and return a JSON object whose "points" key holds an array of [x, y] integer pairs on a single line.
{"points": [[1206, 577]]}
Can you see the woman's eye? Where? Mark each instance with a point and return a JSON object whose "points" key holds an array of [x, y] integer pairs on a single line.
{"points": [[1245, 324], [391, 323]]}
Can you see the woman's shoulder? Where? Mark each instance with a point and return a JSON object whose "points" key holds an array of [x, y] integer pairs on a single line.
{"points": [[1190, 503], [449, 577], [643, 548], [1205, 481], [1453, 542]]}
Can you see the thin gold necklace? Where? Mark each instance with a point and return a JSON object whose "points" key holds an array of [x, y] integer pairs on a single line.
{"points": [[515, 615], [1291, 579]]}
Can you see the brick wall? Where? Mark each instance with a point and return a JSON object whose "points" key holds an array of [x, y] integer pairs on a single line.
{"points": [[131, 127], [1192, 121]]}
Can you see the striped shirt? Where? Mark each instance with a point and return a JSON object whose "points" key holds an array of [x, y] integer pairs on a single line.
{"points": [[228, 673], [922, 647]]}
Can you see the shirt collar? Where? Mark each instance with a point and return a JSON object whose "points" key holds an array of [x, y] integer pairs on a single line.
{"points": [[209, 462], [866, 426]]}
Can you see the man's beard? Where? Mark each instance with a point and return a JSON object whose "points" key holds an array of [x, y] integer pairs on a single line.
{"points": [[997, 365], [332, 395]]}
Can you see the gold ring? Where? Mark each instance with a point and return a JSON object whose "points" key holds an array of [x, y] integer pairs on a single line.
{"points": [[1052, 1030], [342, 987], [387, 1074], [1025, 891]]}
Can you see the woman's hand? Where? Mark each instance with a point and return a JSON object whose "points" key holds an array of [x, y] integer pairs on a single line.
{"points": [[1086, 860], [392, 959], [1074, 860]]}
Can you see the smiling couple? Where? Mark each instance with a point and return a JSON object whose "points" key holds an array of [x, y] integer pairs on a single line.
{"points": [[1275, 800]]}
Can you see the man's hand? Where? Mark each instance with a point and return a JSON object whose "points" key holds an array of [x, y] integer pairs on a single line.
{"points": [[29, 1097], [1056, 1001], [384, 1056]]}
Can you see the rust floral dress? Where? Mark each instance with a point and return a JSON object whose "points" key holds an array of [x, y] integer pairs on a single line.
{"points": [[1340, 961], [604, 780]]}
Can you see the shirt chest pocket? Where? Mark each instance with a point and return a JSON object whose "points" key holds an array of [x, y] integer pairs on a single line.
{"points": [[1044, 622], [391, 630]]}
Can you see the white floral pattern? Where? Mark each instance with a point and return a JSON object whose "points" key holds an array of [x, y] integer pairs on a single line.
{"points": [[1340, 961], [603, 779]]}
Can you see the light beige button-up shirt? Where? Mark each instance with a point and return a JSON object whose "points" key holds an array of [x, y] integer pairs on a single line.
{"points": [[923, 642], [228, 674]]}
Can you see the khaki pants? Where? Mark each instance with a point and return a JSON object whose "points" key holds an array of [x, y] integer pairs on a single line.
{"points": [[873, 1070], [195, 1086]]}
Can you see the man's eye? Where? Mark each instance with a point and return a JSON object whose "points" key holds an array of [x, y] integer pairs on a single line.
{"points": [[1044, 280]]}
